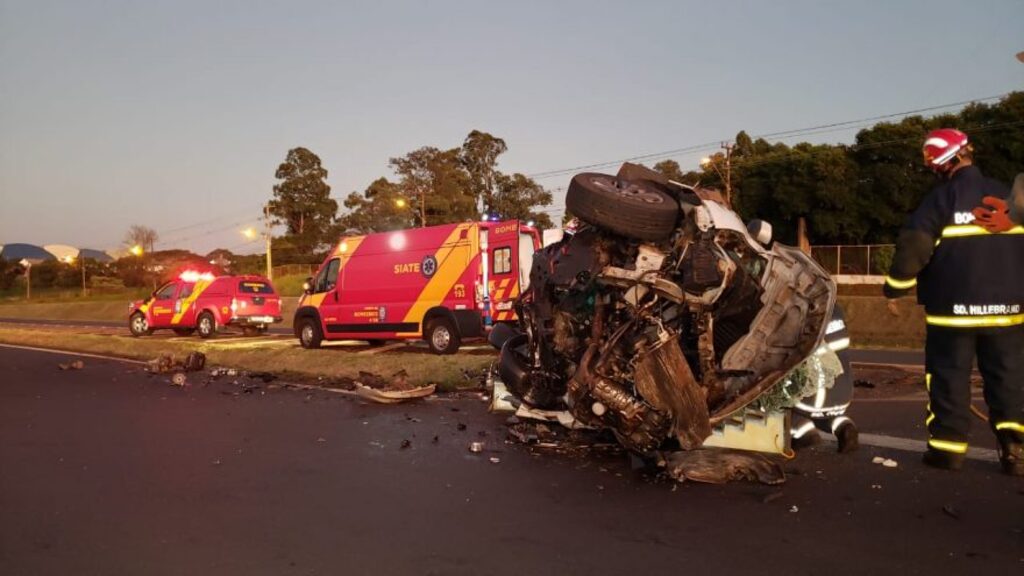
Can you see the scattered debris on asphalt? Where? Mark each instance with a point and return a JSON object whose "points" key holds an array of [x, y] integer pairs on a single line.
{"points": [[73, 365], [178, 379], [193, 362], [476, 446], [406, 443], [495, 460], [385, 396], [886, 462], [721, 465], [951, 511]]}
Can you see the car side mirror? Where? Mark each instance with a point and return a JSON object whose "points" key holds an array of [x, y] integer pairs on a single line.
{"points": [[307, 286], [761, 231]]}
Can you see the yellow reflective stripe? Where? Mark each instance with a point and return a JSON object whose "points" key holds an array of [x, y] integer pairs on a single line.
{"points": [[900, 284], [975, 321], [974, 230], [1015, 426], [947, 446]]}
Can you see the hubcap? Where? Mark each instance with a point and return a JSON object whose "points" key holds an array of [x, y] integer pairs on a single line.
{"points": [[307, 334], [139, 324], [204, 326], [441, 338]]}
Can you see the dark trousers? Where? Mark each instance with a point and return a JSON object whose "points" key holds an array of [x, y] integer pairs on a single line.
{"points": [[949, 358]]}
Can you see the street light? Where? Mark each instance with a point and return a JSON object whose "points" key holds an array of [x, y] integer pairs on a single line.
{"points": [[28, 277], [136, 250], [400, 203], [251, 233]]}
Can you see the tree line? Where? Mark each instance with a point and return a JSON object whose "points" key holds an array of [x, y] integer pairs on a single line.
{"points": [[429, 185], [857, 193]]}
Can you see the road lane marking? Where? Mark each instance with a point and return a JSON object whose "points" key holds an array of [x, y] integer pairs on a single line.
{"points": [[72, 353], [911, 445]]}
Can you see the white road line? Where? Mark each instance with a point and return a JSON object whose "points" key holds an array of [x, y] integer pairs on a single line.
{"points": [[72, 353], [910, 445]]}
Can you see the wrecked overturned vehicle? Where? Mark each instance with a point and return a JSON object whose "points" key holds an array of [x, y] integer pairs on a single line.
{"points": [[661, 315]]}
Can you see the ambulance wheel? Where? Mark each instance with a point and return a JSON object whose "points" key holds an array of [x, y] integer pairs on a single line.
{"points": [[309, 333], [184, 331], [442, 336], [138, 326], [206, 325], [376, 342], [633, 208]]}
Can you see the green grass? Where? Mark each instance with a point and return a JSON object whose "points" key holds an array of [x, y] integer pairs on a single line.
{"points": [[290, 285], [334, 361]]}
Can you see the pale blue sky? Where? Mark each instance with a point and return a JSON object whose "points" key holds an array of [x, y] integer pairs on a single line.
{"points": [[171, 114]]}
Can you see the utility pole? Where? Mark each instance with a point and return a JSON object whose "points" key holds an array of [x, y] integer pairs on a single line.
{"points": [[728, 172], [727, 177], [267, 236], [82, 262], [423, 208]]}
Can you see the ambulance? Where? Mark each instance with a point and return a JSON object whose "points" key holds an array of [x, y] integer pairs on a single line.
{"points": [[442, 284], [204, 303]]}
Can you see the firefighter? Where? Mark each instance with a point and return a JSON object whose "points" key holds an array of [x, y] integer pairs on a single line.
{"points": [[965, 260], [825, 410]]}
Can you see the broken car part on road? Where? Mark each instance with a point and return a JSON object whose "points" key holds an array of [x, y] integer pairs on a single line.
{"points": [[660, 316]]}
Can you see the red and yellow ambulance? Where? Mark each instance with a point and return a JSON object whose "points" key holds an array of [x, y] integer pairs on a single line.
{"points": [[204, 303], [440, 283]]}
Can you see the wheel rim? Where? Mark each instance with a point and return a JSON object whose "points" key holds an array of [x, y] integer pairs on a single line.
{"points": [[632, 192], [204, 326], [139, 324], [441, 337], [307, 334]]}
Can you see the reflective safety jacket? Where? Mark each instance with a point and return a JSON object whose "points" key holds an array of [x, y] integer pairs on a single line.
{"points": [[966, 277]]}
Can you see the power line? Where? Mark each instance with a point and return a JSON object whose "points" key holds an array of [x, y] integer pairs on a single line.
{"points": [[822, 128]]}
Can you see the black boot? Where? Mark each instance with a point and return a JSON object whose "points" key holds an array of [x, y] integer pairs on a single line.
{"points": [[810, 438], [847, 437], [943, 460], [1011, 456]]}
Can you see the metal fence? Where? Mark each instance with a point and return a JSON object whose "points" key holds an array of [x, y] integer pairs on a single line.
{"points": [[294, 270], [863, 260]]}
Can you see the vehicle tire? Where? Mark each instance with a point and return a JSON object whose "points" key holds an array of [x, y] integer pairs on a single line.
{"points": [[376, 342], [442, 337], [206, 325], [309, 333], [138, 326], [633, 208], [184, 331]]}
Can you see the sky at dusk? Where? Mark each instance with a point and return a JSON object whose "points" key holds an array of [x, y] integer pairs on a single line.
{"points": [[175, 115]]}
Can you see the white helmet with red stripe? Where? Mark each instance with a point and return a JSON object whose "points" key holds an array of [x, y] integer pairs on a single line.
{"points": [[943, 145]]}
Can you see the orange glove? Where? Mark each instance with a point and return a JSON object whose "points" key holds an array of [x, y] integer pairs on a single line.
{"points": [[994, 215]]}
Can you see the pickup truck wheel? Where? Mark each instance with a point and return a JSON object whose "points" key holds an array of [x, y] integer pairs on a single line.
{"points": [[184, 331], [310, 335], [138, 326], [206, 324], [442, 336], [633, 208]]}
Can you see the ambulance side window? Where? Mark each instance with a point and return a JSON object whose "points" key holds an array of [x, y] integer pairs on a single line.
{"points": [[186, 291], [166, 292], [502, 260], [328, 277]]}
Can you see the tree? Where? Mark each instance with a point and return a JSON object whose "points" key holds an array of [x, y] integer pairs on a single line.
{"points": [[480, 152], [382, 207], [302, 201], [517, 197], [436, 184], [139, 235]]}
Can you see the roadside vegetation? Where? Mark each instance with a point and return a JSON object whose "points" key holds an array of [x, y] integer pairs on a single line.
{"points": [[448, 372]]}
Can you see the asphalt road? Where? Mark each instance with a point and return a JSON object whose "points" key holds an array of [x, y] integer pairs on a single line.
{"points": [[110, 471]]}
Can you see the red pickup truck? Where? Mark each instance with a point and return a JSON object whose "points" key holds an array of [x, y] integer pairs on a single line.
{"points": [[205, 303]]}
